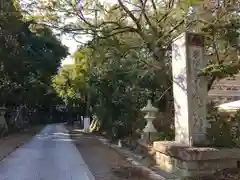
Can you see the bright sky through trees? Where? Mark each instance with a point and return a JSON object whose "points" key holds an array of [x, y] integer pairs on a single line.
{"points": [[72, 44]]}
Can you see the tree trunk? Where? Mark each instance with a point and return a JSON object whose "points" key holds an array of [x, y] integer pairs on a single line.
{"points": [[3, 125]]}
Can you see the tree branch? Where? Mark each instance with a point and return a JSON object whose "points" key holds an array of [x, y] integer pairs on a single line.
{"points": [[139, 28], [154, 6], [210, 82], [120, 31], [143, 7]]}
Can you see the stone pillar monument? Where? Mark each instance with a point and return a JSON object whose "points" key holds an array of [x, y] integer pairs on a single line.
{"points": [[189, 90], [86, 124], [190, 99]]}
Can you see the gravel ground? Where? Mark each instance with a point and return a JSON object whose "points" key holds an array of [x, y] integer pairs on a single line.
{"points": [[227, 174], [104, 162]]}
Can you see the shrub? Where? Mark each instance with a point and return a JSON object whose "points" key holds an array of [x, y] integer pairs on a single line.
{"points": [[224, 130]]}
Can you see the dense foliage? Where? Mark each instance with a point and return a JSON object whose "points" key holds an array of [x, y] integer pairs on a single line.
{"points": [[224, 131], [30, 54], [130, 52]]}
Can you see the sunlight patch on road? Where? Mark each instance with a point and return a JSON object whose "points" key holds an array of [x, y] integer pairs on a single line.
{"points": [[64, 140]]}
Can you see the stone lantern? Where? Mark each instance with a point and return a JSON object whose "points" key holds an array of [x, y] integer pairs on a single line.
{"points": [[150, 111]]}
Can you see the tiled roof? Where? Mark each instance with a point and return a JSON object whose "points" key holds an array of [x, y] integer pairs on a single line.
{"points": [[216, 92]]}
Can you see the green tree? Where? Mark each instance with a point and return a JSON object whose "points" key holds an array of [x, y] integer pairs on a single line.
{"points": [[29, 55], [137, 36], [70, 82]]}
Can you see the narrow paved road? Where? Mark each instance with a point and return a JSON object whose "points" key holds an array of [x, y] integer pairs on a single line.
{"points": [[50, 155]]}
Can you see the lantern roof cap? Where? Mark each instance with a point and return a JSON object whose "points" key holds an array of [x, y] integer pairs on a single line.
{"points": [[149, 107]]}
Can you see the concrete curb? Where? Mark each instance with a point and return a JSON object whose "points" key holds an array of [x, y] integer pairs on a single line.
{"points": [[127, 154]]}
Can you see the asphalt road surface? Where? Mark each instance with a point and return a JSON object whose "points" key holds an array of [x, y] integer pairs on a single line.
{"points": [[50, 155]]}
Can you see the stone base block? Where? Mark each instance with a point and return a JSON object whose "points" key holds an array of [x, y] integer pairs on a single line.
{"points": [[194, 162], [145, 148]]}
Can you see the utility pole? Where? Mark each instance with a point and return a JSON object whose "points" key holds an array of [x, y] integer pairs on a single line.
{"points": [[89, 64]]}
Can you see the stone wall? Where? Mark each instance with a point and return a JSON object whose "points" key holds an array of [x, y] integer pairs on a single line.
{"points": [[188, 162]]}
